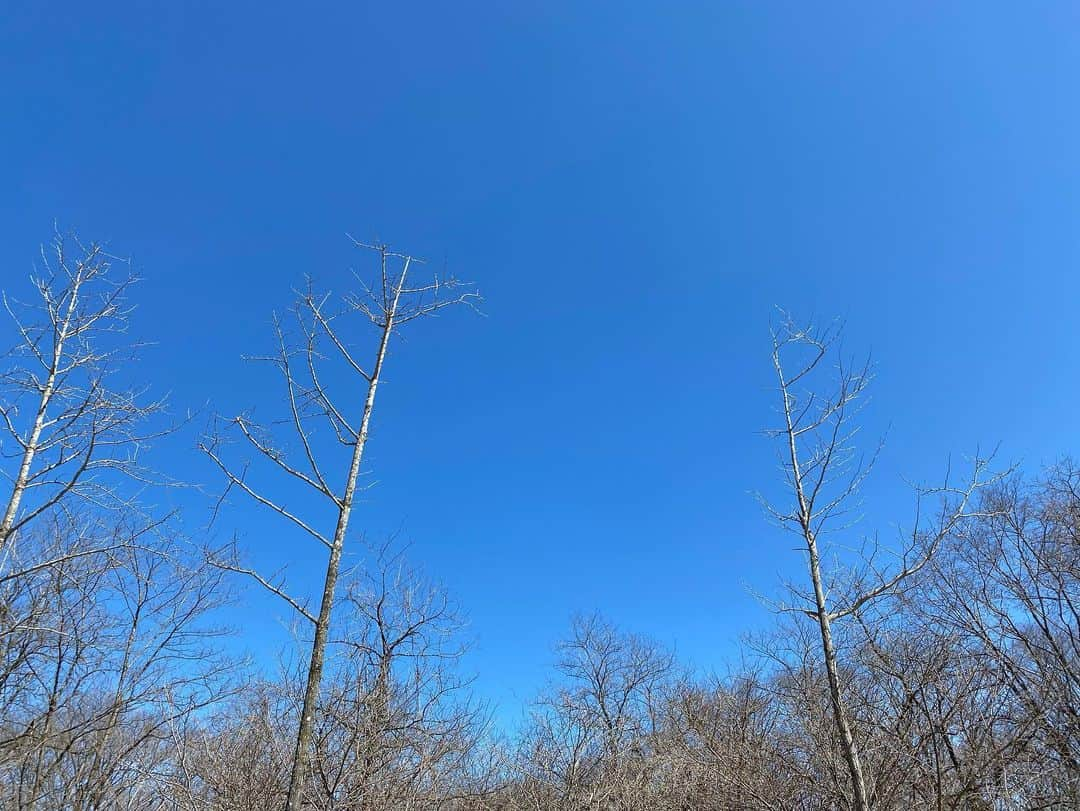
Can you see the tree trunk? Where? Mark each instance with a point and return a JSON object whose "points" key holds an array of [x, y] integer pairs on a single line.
{"points": [[322, 626], [7, 524], [843, 725]]}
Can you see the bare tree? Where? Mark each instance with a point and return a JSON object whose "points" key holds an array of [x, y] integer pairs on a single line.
{"points": [[388, 305], [103, 615], [101, 654], [237, 759], [68, 429], [728, 747], [823, 473], [1008, 591], [934, 716], [590, 736], [396, 727]]}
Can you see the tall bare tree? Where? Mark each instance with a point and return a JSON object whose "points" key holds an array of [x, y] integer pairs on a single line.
{"points": [[824, 473], [388, 305], [69, 430], [104, 637]]}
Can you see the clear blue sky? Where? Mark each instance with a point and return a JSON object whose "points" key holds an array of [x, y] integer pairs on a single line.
{"points": [[633, 186]]}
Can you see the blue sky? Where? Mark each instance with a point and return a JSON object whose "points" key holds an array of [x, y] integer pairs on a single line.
{"points": [[634, 187]]}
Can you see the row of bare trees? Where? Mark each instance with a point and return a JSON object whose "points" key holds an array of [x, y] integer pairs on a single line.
{"points": [[959, 691], [940, 670]]}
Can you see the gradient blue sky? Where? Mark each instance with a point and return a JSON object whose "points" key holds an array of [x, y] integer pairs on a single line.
{"points": [[634, 187]]}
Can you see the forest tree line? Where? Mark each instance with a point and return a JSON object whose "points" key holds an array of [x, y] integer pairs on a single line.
{"points": [[939, 669]]}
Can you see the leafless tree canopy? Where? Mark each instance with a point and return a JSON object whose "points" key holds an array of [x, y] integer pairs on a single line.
{"points": [[105, 638], [936, 666], [385, 306]]}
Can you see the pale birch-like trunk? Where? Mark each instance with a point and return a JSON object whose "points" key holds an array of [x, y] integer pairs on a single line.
{"points": [[836, 697], [30, 446], [805, 518], [389, 306], [820, 461], [322, 626]]}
